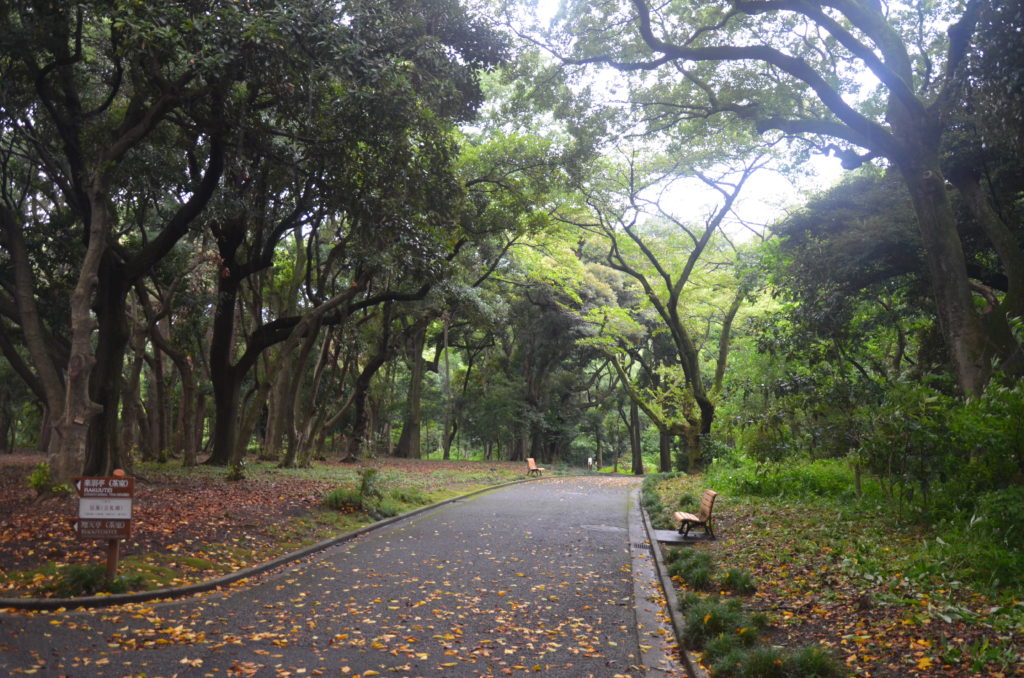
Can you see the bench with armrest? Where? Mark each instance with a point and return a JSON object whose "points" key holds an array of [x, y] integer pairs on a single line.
{"points": [[703, 517], [532, 469]]}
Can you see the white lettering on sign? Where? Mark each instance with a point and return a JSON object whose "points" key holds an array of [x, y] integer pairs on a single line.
{"points": [[105, 507]]}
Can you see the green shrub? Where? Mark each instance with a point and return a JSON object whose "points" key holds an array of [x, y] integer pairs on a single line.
{"points": [[688, 500], [701, 576], [990, 429], [812, 661], [688, 599], [731, 657], [728, 665], [674, 553], [763, 662], [344, 498], [725, 643], [738, 581], [707, 618], [793, 479], [39, 479], [369, 497], [370, 484], [236, 472], [1000, 517], [696, 568], [385, 508], [727, 652], [87, 580]]}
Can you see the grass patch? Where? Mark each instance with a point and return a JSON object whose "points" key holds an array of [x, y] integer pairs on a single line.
{"points": [[88, 580]]}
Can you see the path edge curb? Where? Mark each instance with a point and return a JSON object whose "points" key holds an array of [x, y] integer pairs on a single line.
{"points": [[690, 662], [171, 593]]}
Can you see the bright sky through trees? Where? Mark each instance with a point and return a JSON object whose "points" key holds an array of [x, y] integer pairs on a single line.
{"points": [[767, 196]]}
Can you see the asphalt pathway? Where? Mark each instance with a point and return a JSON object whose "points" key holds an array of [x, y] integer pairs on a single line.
{"points": [[536, 578]]}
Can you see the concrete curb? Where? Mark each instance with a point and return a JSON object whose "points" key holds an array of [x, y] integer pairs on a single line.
{"points": [[690, 662], [44, 604]]}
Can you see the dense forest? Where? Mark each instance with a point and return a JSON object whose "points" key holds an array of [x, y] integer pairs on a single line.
{"points": [[294, 230]]}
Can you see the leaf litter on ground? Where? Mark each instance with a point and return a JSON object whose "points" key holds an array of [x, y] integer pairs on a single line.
{"points": [[191, 525], [843, 580]]}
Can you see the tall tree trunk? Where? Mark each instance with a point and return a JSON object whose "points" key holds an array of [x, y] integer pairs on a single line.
{"points": [[226, 380], [307, 433], [151, 451], [961, 327], [104, 451], [409, 442], [448, 427], [277, 406], [1011, 256], [189, 408], [664, 451], [67, 458], [133, 393], [360, 398], [45, 431], [250, 408], [725, 340], [634, 439], [361, 423], [297, 369], [158, 405], [36, 341]]}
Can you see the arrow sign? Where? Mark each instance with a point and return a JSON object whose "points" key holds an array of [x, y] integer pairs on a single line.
{"points": [[105, 486], [102, 529]]}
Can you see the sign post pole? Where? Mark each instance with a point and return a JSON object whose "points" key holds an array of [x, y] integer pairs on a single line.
{"points": [[113, 545], [113, 552]]}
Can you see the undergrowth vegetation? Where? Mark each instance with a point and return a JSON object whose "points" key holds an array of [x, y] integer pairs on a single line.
{"points": [[980, 537], [372, 498], [824, 553]]}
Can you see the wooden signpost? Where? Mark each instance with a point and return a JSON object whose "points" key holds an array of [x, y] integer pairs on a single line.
{"points": [[105, 512]]}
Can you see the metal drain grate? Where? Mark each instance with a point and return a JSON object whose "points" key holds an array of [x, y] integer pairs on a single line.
{"points": [[642, 547]]}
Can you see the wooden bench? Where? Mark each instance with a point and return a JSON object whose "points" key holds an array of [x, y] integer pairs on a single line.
{"points": [[688, 520], [532, 469]]}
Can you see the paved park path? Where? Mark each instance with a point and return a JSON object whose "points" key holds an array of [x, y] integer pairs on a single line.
{"points": [[536, 578]]}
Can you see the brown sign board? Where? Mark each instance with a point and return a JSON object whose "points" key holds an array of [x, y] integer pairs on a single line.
{"points": [[104, 507], [102, 529], [105, 486]]}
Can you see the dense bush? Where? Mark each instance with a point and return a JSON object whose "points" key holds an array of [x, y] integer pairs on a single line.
{"points": [[793, 479]]}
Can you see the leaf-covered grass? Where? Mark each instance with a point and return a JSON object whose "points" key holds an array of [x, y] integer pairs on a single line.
{"points": [[831, 571], [191, 524]]}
